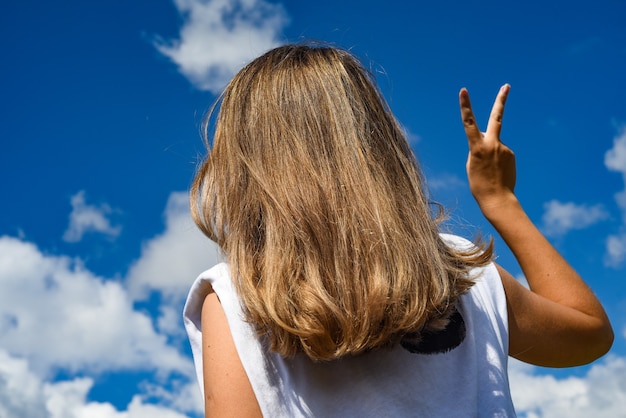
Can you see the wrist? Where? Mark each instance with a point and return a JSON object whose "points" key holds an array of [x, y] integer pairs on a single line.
{"points": [[500, 208]]}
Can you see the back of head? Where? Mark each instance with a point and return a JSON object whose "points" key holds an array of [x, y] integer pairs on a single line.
{"points": [[312, 192]]}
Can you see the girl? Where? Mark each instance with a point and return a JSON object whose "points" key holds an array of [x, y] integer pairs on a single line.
{"points": [[339, 296]]}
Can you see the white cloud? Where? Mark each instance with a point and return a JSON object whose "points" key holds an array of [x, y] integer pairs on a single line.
{"points": [[560, 218], [445, 182], [615, 249], [88, 218], [615, 160], [57, 314], [20, 389], [170, 321], [218, 37], [412, 138], [24, 394], [171, 261], [601, 393], [186, 396], [69, 399]]}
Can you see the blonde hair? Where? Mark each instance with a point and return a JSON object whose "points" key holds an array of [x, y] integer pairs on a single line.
{"points": [[315, 197]]}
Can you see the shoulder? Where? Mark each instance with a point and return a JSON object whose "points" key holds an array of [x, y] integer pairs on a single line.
{"points": [[211, 280], [456, 241], [211, 302], [487, 275], [227, 390], [216, 277], [487, 297]]}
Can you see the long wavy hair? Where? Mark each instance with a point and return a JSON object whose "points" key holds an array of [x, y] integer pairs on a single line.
{"points": [[314, 196]]}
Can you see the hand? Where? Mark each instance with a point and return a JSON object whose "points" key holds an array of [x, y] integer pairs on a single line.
{"points": [[490, 164], [547, 326]]}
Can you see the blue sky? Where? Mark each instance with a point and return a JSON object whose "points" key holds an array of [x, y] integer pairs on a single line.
{"points": [[102, 104]]}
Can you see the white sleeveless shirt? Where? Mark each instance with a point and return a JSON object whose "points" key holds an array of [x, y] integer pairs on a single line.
{"points": [[470, 380]]}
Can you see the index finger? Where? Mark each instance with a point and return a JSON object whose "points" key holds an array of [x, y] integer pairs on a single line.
{"points": [[497, 112], [467, 115]]}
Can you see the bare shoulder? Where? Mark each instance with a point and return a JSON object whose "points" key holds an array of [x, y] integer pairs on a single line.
{"points": [[227, 390]]}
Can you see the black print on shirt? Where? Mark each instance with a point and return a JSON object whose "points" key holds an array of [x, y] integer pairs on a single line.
{"points": [[437, 342]]}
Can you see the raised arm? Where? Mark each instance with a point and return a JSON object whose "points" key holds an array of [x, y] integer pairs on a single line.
{"points": [[559, 322]]}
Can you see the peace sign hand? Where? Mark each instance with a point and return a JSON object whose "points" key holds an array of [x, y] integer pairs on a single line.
{"points": [[490, 164]]}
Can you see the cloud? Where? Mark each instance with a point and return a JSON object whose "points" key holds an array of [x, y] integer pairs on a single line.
{"points": [[170, 261], [24, 394], [615, 249], [412, 138], [58, 315], [88, 218], [445, 182], [20, 389], [69, 399], [218, 37], [560, 218], [601, 393], [186, 396], [615, 160]]}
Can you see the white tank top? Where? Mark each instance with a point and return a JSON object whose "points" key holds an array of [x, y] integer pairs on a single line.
{"points": [[470, 380]]}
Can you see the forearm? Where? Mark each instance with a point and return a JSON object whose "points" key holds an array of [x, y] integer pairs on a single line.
{"points": [[572, 330], [547, 272]]}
